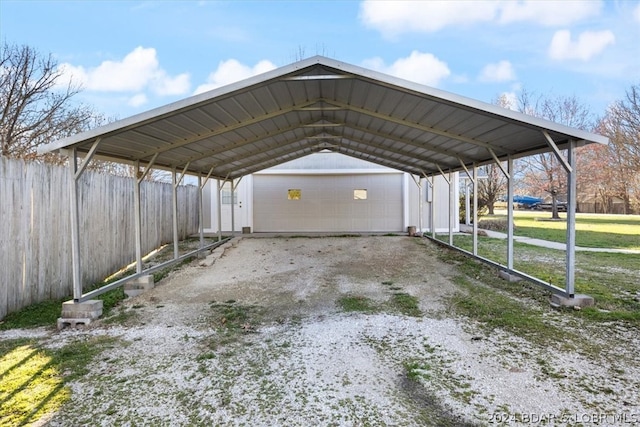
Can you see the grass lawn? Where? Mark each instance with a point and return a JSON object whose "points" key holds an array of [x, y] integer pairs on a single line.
{"points": [[592, 230], [612, 279]]}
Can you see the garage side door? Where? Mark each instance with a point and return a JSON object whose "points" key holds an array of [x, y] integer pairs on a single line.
{"points": [[327, 203]]}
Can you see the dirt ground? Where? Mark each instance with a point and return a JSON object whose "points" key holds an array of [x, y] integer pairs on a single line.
{"points": [[256, 335]]}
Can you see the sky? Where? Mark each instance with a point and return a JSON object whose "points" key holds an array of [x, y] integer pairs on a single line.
{"points": [[132, 56]]}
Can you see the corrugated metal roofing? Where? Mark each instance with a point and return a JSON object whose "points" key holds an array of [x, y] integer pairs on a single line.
{"points": [[322, 104]]}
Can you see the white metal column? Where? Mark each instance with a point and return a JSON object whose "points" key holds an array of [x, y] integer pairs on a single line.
{"points": [[451, 208], [510, 213], [200, 212], [219, 200], [475, 209], [75, 227], [433, 206], [571, 220], [137, 217], [176, 252], [76, 172]]}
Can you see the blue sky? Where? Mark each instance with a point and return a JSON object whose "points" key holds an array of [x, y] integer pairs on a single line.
{"points": [[131, 56]]}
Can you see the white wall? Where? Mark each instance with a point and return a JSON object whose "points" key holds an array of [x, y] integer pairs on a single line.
{"points": [[326, 164]]}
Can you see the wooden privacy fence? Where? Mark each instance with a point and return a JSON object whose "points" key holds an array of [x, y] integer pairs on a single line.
{"points": [[35, 228]]}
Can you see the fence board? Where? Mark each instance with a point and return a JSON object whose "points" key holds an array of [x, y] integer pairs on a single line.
{"points": [[35, 229]]}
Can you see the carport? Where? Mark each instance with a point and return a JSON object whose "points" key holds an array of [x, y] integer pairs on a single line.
{"points": [[323, 104]]}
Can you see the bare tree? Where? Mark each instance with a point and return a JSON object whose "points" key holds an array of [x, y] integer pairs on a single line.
{"points": [[618, 165], [35, 106], [543, 173], [491, 187]]}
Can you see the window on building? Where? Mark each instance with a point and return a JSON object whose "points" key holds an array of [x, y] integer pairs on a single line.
{"points": [[294, 194], [226, 197], [360, 194]]}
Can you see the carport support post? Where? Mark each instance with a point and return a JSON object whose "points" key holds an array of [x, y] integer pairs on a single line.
{"points": [[432, 218], [75, 227], [510, 213], [200, 212], [137, 220], [174, 186], [451, 208], [475, 209], [571, 219], [219, 203]]}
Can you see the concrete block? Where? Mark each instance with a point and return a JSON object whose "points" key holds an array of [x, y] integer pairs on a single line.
{"points": [[139, 285], [505, 275], [579, 300], [75, 314], [91, 309], [72, 323]]}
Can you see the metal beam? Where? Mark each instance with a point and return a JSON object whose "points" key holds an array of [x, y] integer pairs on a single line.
{"points": [[499, 163], [92, 151], [442, 173], [567, 167]]}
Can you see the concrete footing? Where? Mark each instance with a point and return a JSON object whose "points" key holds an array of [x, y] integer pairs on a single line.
{"points": [[505, 275], [578, 300], [79, 313], [139, 285]]}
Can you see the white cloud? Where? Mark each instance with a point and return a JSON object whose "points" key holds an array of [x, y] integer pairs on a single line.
{"points": [[423, 68], [397, 17], [138, 70], [636, 13], [138, 100], [548, 13], [231, 71], [499, 72], [588, 44]]}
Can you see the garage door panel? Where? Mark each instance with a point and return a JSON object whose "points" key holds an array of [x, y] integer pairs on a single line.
{"points": [[327, 203]]}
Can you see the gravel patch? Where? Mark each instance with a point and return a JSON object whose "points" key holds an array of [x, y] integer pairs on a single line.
{"points": [[254, 336]]}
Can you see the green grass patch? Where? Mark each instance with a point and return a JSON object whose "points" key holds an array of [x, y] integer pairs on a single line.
{"points": [[497, 310], [405, 304], [592, 230], [33, 380], [612, 279], [231, 321], [357, 303]]}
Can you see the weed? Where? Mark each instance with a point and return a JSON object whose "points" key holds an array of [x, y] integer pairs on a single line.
{"points": [[405, 304], [357, 303]]}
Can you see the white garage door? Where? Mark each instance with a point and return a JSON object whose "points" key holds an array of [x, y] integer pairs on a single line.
{"points": [[343, 203]]}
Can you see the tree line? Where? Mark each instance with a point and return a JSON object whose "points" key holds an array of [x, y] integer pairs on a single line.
{"points": [[607, 174]]}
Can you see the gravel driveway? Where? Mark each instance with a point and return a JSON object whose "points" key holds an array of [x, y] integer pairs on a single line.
{"points": [[260, 336]]}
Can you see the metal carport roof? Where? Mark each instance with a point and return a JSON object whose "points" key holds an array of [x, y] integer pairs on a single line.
{"points": [[319, 104]]}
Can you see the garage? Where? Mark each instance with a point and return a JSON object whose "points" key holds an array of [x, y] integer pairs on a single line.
{"points": [[367, 202]]}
